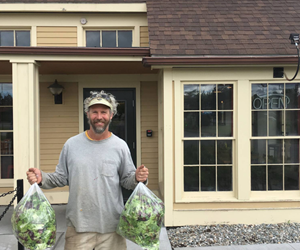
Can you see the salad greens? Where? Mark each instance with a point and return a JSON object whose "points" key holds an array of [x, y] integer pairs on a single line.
{"points": [[141, 219], [33, 222]]}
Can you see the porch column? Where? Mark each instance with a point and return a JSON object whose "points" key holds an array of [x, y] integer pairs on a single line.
{"points": [[168, 139], [25, 77]]}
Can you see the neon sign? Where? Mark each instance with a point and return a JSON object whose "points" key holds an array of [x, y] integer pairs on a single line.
{"points": [[273, 101]]}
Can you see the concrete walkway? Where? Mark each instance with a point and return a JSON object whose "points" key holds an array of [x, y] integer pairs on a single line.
{"points": [[9, 242]]}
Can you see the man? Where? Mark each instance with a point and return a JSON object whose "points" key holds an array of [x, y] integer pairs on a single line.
{"points": [[95, 164]]}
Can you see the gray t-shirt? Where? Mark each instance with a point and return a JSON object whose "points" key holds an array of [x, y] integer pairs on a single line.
{"points": [[95, 171]]}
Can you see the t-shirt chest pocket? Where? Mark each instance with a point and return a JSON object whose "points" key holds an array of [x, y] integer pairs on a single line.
{"points": [[109, 168]]}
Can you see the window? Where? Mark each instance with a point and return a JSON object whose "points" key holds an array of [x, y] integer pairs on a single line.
{"points": [[275, 136], [6, 131], [109, 38], [14, 38], [208, 137]]}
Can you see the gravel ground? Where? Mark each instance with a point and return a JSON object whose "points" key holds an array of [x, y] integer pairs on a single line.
{"points": [[238, 234]]}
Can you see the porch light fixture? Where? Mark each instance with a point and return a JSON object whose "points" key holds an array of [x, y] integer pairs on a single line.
{"points": [[294, 37], [56, 90]]}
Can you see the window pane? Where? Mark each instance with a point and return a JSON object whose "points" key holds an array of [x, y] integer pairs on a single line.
{"points": [[275, 151], [191, 124], [258, 151], [6, 38], [109, 39], [92, 39], [224, 152], [291, 177], [208, 152], [292, 121], [22, 38], [292, 92], [276, 96], [6, 143], [191, 152], [191, 97], [259, 96], [125, 38], [225, 97], [5, 94], [6, 121], [225, 123], [275, 178], [259, 123], [208, 124], [7, 167], [258, 178], [276, 123], [208, 97], [291, 151], [208, 178], [191, 179], [224, 178]]}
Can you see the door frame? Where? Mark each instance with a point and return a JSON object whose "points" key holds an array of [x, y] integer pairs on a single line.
{"points": [[121, 82]]}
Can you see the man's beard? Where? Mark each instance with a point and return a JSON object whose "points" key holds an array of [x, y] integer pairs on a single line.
{"points": [[99, 130]]}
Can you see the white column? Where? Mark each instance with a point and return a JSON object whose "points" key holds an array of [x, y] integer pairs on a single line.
{"points": [[25, 118], [243, 132], [168, 138]]}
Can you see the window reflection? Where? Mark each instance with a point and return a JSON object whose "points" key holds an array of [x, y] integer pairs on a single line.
{"points": [[191, 179], [208, 124], [191, 97], [275, 177], [208, 178], [208, 97]]}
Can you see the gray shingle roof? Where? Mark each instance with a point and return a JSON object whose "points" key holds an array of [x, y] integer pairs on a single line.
{"points": [[219, 27]]}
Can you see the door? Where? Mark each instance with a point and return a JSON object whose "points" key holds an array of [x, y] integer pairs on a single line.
{"points": [[123, 123]]}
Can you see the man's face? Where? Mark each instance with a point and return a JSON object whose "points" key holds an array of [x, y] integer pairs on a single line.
{"points": [[99, 117]]}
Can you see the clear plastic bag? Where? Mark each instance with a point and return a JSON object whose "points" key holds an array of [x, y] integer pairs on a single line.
{"points": [[33, 220], [142, 218]]}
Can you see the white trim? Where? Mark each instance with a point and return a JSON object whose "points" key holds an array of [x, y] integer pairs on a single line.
{"points": [[68, 7]]}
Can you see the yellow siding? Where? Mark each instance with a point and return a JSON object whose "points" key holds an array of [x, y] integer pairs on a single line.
{"points": [[144, 36], [149, 120], [57, 36], [58, 123]]}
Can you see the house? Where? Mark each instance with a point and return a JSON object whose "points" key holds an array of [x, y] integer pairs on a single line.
{"points": [[205, 103]]}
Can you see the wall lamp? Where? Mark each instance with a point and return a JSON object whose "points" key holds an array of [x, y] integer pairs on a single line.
{"points": [[56, 90], [294, 40]]}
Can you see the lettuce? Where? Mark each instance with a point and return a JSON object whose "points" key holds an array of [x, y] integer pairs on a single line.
{"points": [[142, 219], [33, 222]]}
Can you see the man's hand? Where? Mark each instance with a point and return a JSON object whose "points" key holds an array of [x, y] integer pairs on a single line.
{"points": [[141, 173], [34, 175]]}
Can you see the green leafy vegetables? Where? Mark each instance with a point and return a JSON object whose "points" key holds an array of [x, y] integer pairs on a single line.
{"points": [[142, 218], [34, 223]]}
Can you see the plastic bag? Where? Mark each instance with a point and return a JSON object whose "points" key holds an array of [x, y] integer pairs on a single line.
{"points": [[33, 220], [142, 218]]}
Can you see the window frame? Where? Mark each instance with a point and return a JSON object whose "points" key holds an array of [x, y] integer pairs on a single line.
{"points": [[6, 182], [116, 29], [270, 195], [198, 196], [14, 32]]}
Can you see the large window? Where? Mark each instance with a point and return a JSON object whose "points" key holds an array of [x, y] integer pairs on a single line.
{"points": [[275, 136], [109, 38], [6, 131], [14, 38], [208, 137]]}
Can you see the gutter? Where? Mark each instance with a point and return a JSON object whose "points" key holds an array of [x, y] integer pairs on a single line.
{"points": [[219, 60], [141, 52]]}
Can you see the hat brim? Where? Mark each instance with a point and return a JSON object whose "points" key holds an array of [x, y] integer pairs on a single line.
{"points": [[100, 101]]}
